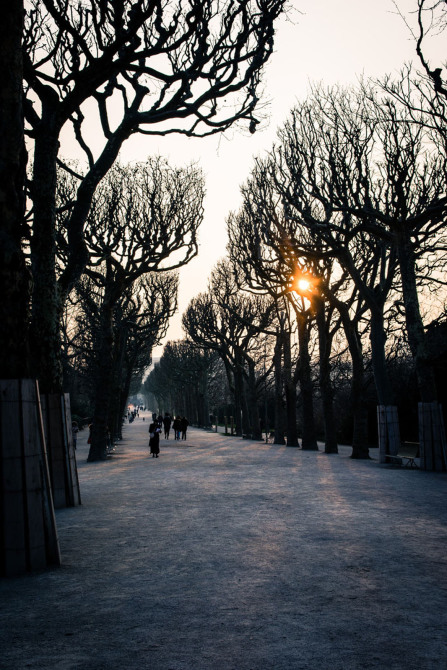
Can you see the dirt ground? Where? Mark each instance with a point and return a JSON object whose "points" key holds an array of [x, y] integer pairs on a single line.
{"points": [[230, 554]]}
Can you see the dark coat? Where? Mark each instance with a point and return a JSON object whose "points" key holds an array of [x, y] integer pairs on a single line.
{"points": [[154, 442]]}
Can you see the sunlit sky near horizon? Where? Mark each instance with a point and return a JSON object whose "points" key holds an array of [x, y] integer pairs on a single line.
{"points": [[326, 41]]}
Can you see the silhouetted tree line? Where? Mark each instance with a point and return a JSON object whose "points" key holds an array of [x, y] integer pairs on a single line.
{"points": [[75, 252], [179, 384], [142, 225], [337, 258]]}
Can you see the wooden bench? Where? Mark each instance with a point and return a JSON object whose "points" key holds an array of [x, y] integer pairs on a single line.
{"points": [[408, 451]]}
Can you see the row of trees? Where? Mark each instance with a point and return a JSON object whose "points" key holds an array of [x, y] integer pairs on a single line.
{"points": [[341, 238], [141, 227], [183, 383], [77, 251], [150, 68]]}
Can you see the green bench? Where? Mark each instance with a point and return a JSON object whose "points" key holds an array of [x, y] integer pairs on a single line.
{"points": [[408, 451]]}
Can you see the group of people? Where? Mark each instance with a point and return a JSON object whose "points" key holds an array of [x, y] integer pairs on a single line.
{"points": [[159, 423]]}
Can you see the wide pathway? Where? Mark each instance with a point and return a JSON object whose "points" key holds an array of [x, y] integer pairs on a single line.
{"points": [[230, 554]]}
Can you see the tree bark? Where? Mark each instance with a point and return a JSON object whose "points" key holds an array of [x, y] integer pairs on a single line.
{"points": [[14, 275], [415, 326], [279, 408], [235, 383], [253, 408], [358, 402], [204, 402], [104, 378], [378, 341], [290, 391], [309, 440], [242, 418], [327, 393], [46, 309]]}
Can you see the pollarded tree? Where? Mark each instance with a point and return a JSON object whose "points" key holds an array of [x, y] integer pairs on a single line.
{"points": [[184, 367], [263, 249], [144, 219], [206, 325], [14, 274], [258, 270], [150, 67], [229, 323], [318, 154], [141, 320], [79, 331], [310, 228], [256, 314], [159, 390], [375, 183], [396, 193]]}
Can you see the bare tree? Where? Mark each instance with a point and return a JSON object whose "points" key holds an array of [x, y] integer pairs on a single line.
{"points": [[384, 190], [258, 270], [256, 314], [14, 274], [151, 68], [180, 381], [144, 219], [323, 162], [140, 323], [263, 246], [432, 18], [431, 21], [228, 322]]}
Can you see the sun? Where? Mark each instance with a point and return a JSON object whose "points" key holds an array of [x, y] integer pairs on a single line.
{"points": [[303, 285]]}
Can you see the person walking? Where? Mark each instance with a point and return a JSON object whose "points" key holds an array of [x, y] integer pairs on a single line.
{"points": [[167, 425], [177, 425], [154, 438], [184, 423]]}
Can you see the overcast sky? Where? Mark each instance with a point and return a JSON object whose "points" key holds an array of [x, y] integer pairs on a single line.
{"points": [[329, 41]]}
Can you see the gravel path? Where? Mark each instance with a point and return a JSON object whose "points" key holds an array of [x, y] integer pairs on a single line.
{"points": [[230, 554]]}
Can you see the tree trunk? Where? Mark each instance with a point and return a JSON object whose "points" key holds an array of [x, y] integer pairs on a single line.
{"points": [[309, 439], [378, 341], [413, 320], [45, 341], [104, 379], [327, 393], [204, 408], [234, 384], [358, 402], [239, 401], [253, 408], [431, 436], [279, 408], [14, 275], [56, 417], [290, 391], [121, 382]]}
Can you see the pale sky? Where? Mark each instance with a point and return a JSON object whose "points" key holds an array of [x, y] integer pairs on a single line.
{"points": [[333, 41]]}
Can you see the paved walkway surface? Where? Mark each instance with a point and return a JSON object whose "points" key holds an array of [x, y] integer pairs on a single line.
{"points": [[230, 554]]}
